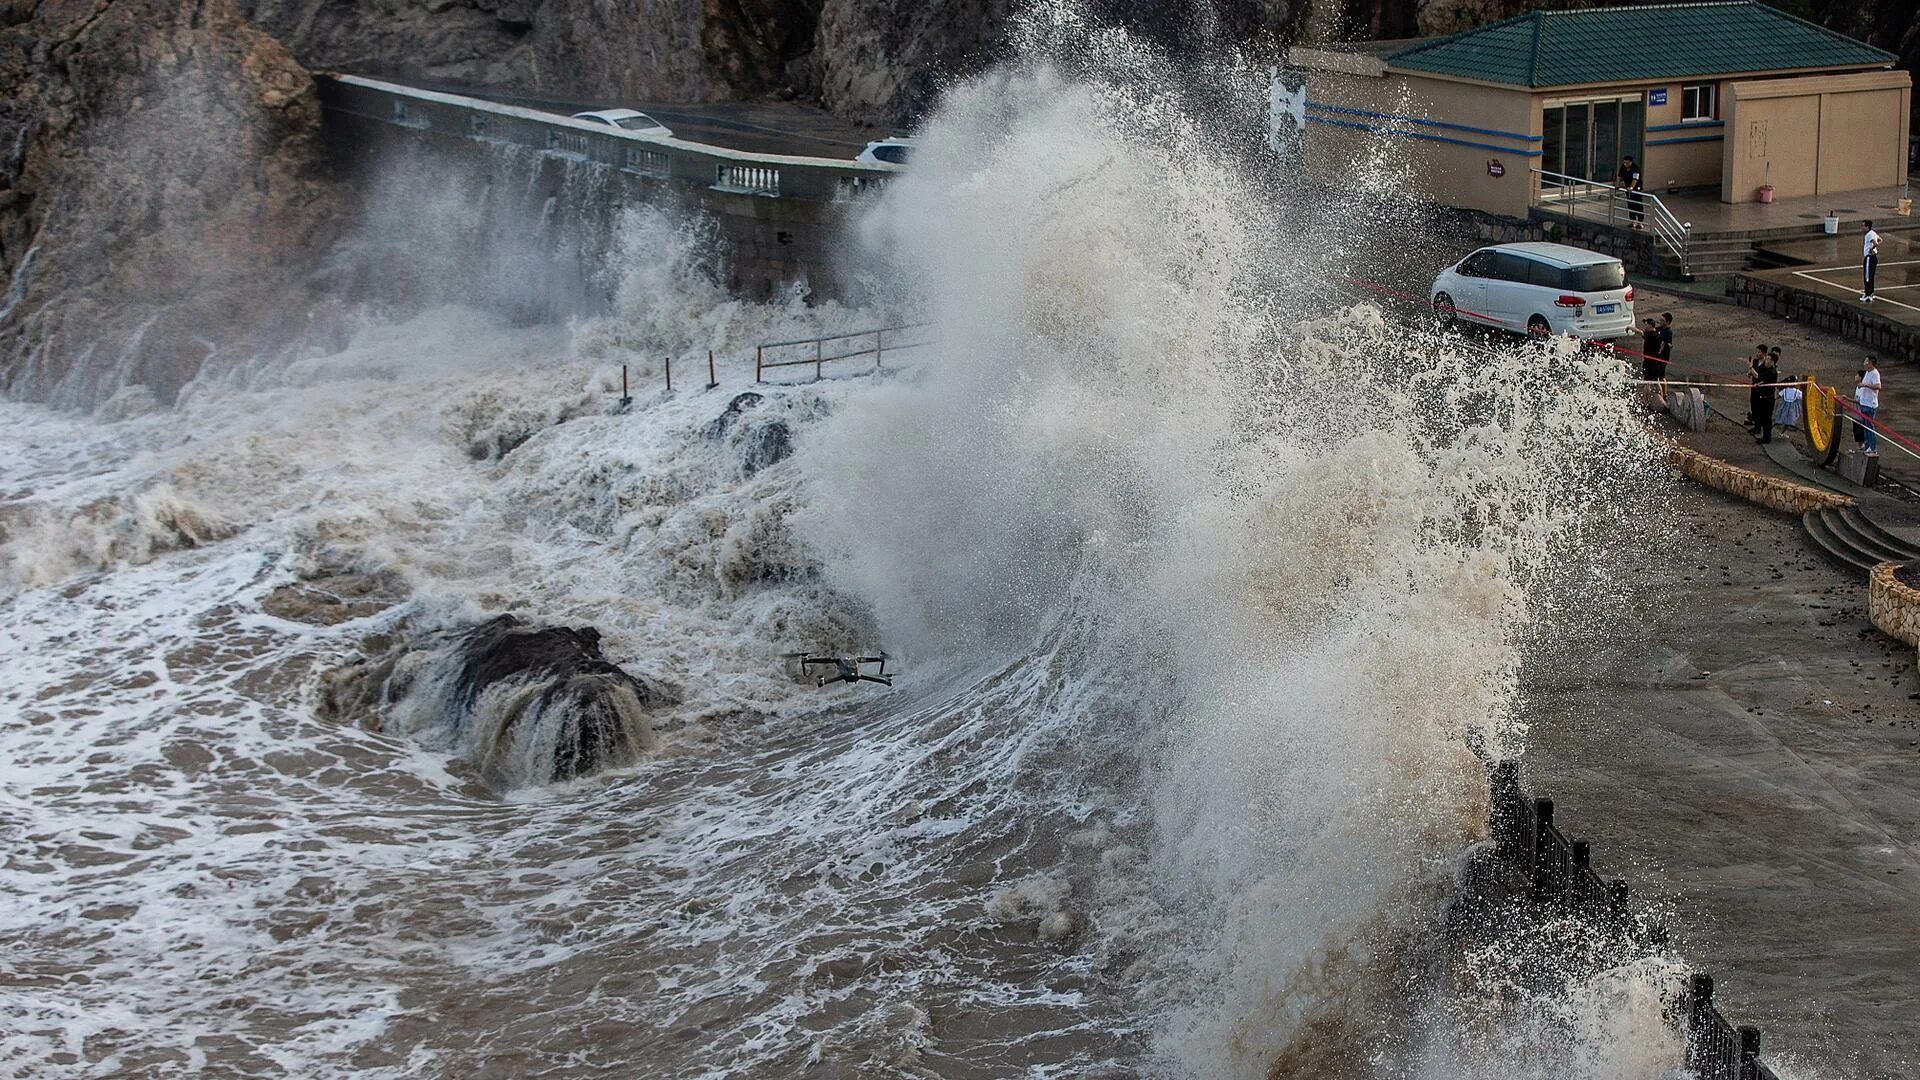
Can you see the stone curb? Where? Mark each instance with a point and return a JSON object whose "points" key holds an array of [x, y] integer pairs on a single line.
{"points": [[1755, 487], [1893, 605]]}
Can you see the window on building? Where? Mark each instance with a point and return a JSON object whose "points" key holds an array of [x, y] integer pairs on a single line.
{"points": [[1699, 101]]}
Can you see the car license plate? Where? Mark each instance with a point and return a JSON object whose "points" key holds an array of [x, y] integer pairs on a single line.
{"points": [[1606, 309]]}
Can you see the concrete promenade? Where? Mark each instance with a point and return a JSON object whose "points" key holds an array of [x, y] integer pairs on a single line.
{"points": [[1747, 748]]}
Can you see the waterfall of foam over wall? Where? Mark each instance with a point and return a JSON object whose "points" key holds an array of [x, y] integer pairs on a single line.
{"points": [[1310, 547]]}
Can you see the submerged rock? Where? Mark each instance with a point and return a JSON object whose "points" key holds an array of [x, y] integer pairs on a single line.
{"points": [[528, 704], [730, 417], [765, 444], [762, 442]]}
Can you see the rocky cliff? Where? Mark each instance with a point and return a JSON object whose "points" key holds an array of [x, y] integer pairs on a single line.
{"points": [[161, 178]]}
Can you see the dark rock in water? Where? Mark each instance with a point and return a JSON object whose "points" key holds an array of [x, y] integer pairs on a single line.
{"points": [[725, 421], [766, 444], [528, 704], [559, 672], [761, 444]]}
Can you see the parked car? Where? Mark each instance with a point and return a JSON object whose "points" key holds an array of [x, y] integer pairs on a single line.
{"points": [[626, 120], [892, 151], [1538, 288]]}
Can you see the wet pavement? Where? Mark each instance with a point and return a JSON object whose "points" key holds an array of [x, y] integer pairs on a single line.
{"points": [[1747, 747]]}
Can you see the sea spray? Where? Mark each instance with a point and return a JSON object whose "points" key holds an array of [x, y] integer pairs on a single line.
{"points": [[1309, 551], [1204, 590]]}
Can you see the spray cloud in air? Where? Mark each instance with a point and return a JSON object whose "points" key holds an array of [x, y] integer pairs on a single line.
{"points": [[1310, 545]]}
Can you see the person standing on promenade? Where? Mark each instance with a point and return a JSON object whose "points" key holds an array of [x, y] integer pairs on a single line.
{"points": [[1753, 376], [1867, 397], [1653, 364], [1869, 261], [1628, 179], [1764, 390], [1666, 337]]}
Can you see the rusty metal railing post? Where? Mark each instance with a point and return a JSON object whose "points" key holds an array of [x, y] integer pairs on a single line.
{"points": [[879, 347], [669, 374], [759, 361], [819, 365], [711, 381]]}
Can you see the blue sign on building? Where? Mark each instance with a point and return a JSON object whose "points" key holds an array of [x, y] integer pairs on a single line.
{"points": [[1657, 97]]}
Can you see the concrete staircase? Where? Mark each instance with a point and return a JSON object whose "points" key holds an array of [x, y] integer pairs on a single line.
{"points": [[1713, 256], [1850, 539], [1719, 256]]}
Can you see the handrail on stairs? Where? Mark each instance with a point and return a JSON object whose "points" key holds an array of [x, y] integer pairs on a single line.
{"points": [[1599, 200]]}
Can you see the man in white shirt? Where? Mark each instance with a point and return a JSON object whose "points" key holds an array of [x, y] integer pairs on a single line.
{"points": [[1869, 262], [1867, 397]]}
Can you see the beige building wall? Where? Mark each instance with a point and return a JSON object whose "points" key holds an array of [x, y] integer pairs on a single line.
{"points": [[1694, 162], [1428, 158], [1815, 135]]}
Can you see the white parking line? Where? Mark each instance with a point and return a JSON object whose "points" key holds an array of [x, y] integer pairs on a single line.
{"points": [[1813, 275]]}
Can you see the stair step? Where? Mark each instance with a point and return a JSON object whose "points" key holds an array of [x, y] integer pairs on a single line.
{"points": [[1896, 549], [1861, 545], [1836, 550]]}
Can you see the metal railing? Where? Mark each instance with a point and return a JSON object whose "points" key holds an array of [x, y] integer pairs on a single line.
{"points": [[878, 349], [1601, 201], [1559, 872]]}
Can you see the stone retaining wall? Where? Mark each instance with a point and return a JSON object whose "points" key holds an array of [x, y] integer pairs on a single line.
{"points": [[1635, 249], [1893, 605], [1880, 335], [1768, 491]]}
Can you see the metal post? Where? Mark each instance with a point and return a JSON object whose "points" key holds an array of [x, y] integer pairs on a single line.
{"points": [[759, 359], [819, 345], [1504, 779], [877, 347], [1749, 1053], [1699, 1008], [1542, 823], [711, 381], [669, 374], [1620, 897]]}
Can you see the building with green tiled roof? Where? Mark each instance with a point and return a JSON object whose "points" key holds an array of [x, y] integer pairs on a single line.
{"points": [[1735, 95]]}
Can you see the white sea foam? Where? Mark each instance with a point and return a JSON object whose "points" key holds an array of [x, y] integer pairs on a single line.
{"points": [[1202, 602]]}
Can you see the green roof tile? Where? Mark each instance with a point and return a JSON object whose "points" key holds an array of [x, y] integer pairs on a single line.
{"points": [[1638, 43]]}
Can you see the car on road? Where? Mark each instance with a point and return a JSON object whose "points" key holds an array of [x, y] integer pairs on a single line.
{"points": [[1537, 288], [891, 151], [626, 120]]}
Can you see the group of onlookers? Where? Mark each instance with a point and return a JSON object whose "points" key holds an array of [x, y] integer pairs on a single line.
{"points": [[1777, 400]]}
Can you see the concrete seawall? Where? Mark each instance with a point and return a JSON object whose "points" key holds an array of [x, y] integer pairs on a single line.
{"points": [[780, 217], [1883, 336]]}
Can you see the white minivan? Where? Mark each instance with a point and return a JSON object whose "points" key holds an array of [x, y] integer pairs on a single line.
{"points": [[1538, 288]]}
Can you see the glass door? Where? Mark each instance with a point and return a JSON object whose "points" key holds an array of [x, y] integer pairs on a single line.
{"points": [[1587, 139]]}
